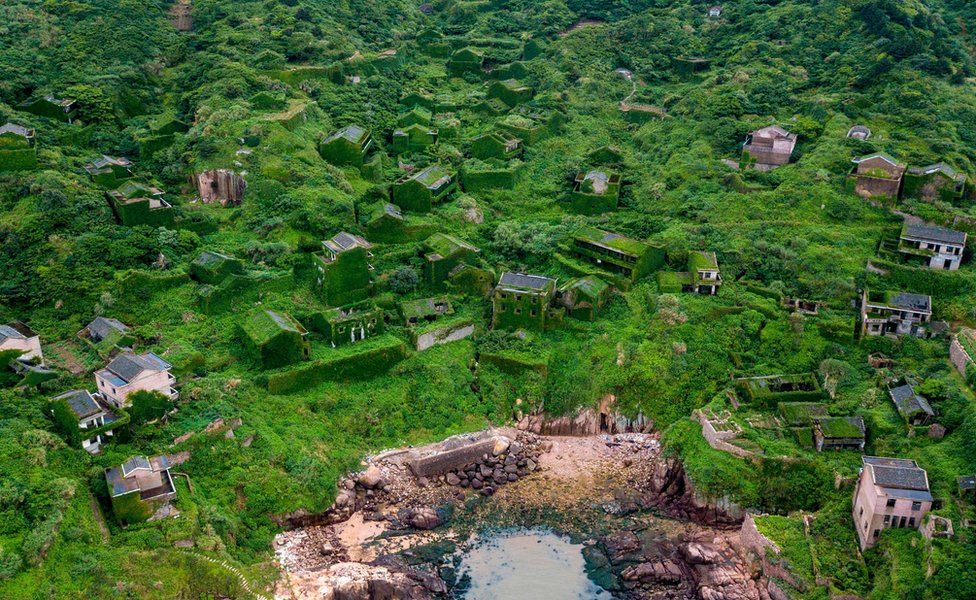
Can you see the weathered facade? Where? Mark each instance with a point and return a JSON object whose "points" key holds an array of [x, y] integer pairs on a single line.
{"points": [[500, 145], [139, 486], [348, 146], [420, 191], [18, 336], [894, 313], [349, 324], [443, 253], [108, 171], [935, 247], [912, 407], [838, 433], [595, 192], [414, 138], [934, 182], [583, 297], [617, 254], [17, 150], [877, 176], [274, 339], [768, 147], [342, 269], [890, 492], [129, 372], [524, 301]]}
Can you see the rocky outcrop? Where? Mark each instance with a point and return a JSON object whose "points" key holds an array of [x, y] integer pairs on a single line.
{"points": [[669, 488], [358, 581], [587, 421]]}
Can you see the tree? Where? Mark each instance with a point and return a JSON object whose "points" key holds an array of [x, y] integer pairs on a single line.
{"points": [[147, 405], [404, 280]]}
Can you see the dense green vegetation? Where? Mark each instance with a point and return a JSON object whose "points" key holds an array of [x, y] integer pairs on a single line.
{"points": [[257, 84]]}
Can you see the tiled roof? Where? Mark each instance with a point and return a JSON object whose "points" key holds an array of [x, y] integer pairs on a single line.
{"points": [[81, 403], [908, 402], [896, 473], [912, 301], [343, 241], [100, 327], [16, 130], [526, 281], [935, 234], [937, 168], [128, 366]]}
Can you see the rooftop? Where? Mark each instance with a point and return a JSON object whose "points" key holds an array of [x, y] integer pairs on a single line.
{"points": [[432, 177], [140, 474], [902, 300], [101, 327], [937, 168], [351, 133], [774, 131], [127, 366], [525, 282], [262, 325], [699, 260], [613, 241], [343, 241], [81, 403], [107, 161], [15, 330], [590, 285], [908, 402], [441, 245], [840, 427], [933, 233], [16, 130], [885, 157], [897, 473]]}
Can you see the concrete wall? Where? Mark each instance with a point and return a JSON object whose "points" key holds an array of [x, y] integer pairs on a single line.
{"points": [[959, 357], [443, 335], [716, 439]]}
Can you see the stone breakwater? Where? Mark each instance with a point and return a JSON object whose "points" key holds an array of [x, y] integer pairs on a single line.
{"points": [[399, 526]]}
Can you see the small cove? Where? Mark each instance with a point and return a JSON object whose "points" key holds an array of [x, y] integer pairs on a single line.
{"points": [[527, 564]]}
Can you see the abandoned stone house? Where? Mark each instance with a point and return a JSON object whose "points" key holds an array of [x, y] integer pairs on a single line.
{"points": [[220, 185], [702, 277], [417, 115], [838, 433], [17, 150], [106, 329], [52, 107], [496, 144], [510, 91], [583, 297], [876, 176], [18, 336], [420, 191], [934, 182], [135, 203], [859, 132], [139, 486], [425, 310], [890, 492], [414, 137], [616, 253], [606, 155], [342, 269], [349, 324], [595, 191], [768, 148], [912, 407], [935, 247], [521, 300], [274, 339], [714, 12], [442, 254], [894, 313], [107, 171], [129, 372], [466, 60], [212, 267], [417, 99], [94, 417], [347, 146]]}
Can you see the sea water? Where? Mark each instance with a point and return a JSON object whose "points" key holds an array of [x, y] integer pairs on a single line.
{"points": [[528, 565]]}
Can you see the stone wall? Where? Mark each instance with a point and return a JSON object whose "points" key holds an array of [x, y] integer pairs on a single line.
{"points": [[958, 355], [444, 335], [716, 439]]}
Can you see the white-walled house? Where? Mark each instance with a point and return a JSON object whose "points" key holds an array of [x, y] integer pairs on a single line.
{"points": [[890, 492], [17, 336], [130, 372]]}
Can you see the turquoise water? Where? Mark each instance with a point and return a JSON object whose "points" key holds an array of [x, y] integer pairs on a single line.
{"points": [[528, 565]]}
